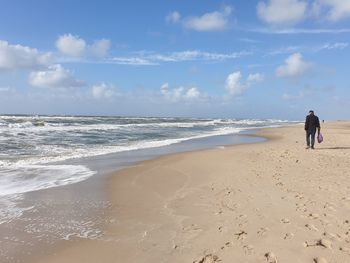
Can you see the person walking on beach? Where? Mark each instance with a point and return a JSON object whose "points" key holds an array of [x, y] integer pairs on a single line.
{"points": [[312, 123]]}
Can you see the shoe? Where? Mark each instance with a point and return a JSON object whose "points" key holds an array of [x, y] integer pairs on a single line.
{"points": [[312, 147], [307, 147]]}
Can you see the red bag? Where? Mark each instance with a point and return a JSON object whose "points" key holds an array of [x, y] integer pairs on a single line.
{"points": [[319, 138]]}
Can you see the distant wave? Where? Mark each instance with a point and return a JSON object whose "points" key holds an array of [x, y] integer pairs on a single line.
{"points": [[31, 146]]}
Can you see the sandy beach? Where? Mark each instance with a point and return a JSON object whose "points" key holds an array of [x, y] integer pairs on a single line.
{"points": [[273, 201]]}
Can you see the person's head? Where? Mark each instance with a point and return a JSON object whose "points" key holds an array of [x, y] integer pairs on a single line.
{"points": [[311, 112]]}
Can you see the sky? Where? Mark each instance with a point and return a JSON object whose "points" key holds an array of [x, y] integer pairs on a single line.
{"points": [[197, 58]]}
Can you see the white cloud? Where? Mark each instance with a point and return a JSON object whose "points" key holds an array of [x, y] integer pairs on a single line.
{"points": [[102, 91], [173, 17], [337, 45], [21, 57], [292, 12], [100, 47], [257, 77], [150, 58], [292, 31], [282, 12], [250, 40], [236, 86], [71, 45], [215, 21], [192, 93], [171, 94], [335, 10], [179, 93], [285, 50], [74, 46], [55, 77], [135, 61], [190, 55], [293, 66]]}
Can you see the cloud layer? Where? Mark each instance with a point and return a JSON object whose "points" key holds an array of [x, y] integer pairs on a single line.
{"points": [[54, 77], [14, 57], [236, 86], [151, 58], [282, 12], [334, 10], [293, 66], [74, 46], [102, 91], [179, 93], [212, 21], [292, 12]]}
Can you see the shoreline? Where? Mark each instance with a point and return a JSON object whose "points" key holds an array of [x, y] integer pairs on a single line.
{"points": [[199, 207], [40, 229]]}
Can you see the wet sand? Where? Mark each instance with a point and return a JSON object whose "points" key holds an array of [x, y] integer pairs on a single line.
{"points": [[273, 201]]}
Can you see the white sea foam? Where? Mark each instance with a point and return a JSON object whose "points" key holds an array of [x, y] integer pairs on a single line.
{"points": [[63, 153], [9, 209], [19, 179], [41, 125]]}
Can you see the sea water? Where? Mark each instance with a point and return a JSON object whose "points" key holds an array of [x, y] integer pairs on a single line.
{"points": [[47, 152]]}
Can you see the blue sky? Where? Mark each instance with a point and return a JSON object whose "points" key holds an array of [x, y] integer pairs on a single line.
{"points": [[234, 59]]}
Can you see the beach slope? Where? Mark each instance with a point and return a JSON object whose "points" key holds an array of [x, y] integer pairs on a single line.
{"points": [[273, 201]]}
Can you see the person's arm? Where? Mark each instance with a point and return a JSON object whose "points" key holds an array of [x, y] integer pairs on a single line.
{"points": [[318, 125], [306, 126]]}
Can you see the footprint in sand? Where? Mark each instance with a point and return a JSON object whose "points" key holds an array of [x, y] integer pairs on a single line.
{"points": [[320, 260], [227, 244], [262, 231], [314, 215], [191, 230], [279, 184], [299, 196], [320, 242], [329, 206], [242, 216], [229, 205], [345, 250], [311, 227], [288, 236], [209, 258], [301, 207], [285, 220], [270, 257], [192, 227], [332, 236], [219, 212], [248, 250], [241, 235]]}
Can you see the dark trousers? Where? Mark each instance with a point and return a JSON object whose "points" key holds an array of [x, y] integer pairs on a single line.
{"points": [[312, 135]]}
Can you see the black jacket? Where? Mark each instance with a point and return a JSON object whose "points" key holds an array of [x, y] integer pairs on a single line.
{"points": [[311, 123]]}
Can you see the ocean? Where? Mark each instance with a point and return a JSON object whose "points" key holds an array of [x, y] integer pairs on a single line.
{"points": [[48, 152]]}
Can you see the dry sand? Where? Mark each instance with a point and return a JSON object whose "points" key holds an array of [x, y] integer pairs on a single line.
{"points": [[267, 202]]}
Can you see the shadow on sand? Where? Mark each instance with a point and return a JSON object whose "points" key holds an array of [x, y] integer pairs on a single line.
{"points": [[334, 148]]}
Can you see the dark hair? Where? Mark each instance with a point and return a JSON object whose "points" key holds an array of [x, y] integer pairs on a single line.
{"points": [[311, 111]]}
